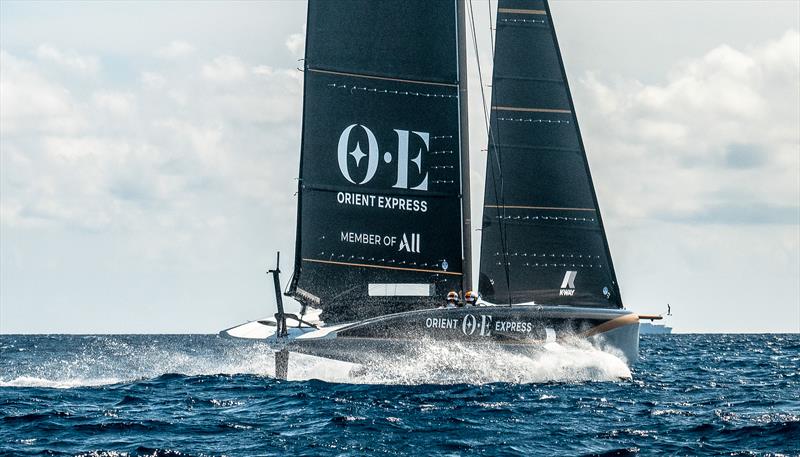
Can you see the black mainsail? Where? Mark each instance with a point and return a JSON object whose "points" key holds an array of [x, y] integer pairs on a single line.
{"points": [[542, 238], [380, 207]]}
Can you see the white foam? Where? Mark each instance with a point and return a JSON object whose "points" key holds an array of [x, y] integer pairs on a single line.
{"points": [[109, 360], [453, 363], [31, 381]]}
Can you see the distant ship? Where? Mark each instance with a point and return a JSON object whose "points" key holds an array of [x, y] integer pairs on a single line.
{"points": [[383, 215], [649, 328], [646, 328]]}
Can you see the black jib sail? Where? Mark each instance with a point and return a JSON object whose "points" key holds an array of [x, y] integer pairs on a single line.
{"points": [[379, 207], [542, 236]]}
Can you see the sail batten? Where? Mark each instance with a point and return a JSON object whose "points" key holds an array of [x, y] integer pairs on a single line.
{"points": [[531, 110], [553, 208], [542, 238], [521, 11]]}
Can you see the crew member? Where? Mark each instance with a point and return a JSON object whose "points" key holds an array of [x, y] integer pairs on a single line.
{"points": [[452, 299], [471, 298]]}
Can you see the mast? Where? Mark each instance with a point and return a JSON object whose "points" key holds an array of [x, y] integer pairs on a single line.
{"points": [[466, 220]]}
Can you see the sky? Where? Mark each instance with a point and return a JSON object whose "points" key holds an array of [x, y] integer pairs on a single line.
{"points": [[148, 155]]}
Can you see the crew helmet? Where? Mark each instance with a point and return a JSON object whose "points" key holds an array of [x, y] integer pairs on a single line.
{"points": [[471, 297], [452, 296]]}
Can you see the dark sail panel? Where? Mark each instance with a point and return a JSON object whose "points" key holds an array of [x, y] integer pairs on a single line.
{"points": [[399, 39], [543, 238], [380, 190]]}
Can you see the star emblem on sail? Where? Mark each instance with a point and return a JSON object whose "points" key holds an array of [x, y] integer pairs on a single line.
{"points": [[358, 154]]}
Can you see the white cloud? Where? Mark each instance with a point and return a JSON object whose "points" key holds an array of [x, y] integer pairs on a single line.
{"points": [[32, 103], [225, 69], [114, 103], [175, 50], [204, 141], [717, 142], [153, 80], [296, 43], [99, 158], [69, 59], [263, 70]]}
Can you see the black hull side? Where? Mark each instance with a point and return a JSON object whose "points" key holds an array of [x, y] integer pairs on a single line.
{"points": [[514, 328]]}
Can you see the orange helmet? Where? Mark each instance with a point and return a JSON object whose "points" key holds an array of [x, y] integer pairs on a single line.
{"points": [[471, 297], [452, 296]]}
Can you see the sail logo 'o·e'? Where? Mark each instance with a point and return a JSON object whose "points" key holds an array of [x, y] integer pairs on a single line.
{"points": [[568, 284], [373, 160]]}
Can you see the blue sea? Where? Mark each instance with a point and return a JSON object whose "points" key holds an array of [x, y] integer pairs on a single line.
{"points": [[176, 395]]}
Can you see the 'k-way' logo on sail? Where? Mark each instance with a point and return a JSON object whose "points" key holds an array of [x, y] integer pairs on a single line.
{"points": [[410, 246], [568, 284]]}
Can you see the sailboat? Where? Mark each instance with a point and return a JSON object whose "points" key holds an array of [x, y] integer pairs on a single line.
{"points": [[383, 213]]}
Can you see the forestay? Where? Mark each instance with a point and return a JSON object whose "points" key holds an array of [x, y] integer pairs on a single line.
{"points": [[379, 206], [542, 236]]}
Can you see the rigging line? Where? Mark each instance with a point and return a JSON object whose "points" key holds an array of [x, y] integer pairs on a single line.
{"points": [[480, 72], [501, 198], [491, 37], [490, 138]]}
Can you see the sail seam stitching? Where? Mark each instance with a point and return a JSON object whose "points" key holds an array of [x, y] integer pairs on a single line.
{"points": [[332, 262], [524, 21], [390, 92], [535, 121], [382, 78]]}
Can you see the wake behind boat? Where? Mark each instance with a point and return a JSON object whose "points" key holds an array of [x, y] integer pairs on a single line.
{"points": [[384, 226]]}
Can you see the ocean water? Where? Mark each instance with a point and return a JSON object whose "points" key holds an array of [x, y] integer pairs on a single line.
{"points": [[100, 395]]}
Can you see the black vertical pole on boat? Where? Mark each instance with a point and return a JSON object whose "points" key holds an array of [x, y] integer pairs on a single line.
{"points": [[282, 364], [281, 356], [280, 316], [466, 229]]}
